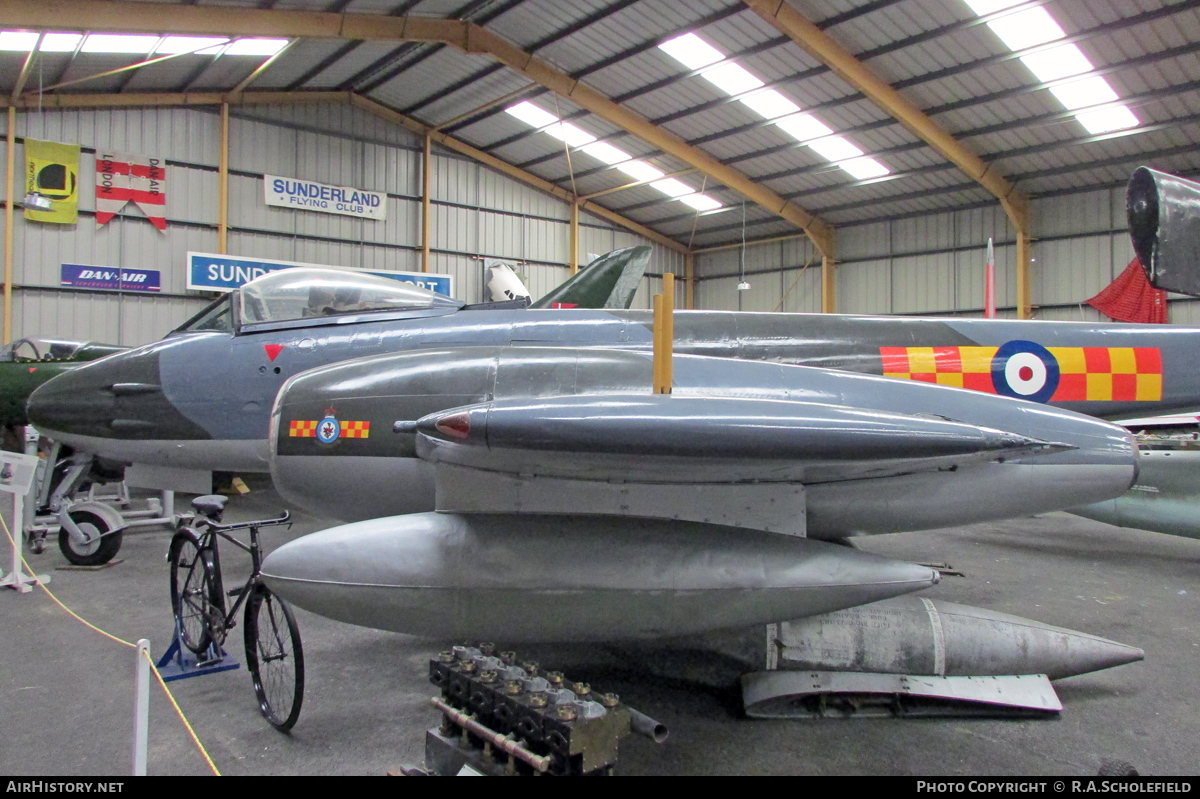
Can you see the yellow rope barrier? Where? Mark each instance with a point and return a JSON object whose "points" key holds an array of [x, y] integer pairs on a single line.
{"points": [[112, 637]]}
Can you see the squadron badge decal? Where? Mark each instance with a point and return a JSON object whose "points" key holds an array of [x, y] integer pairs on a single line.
{"points": [[328, 429]]}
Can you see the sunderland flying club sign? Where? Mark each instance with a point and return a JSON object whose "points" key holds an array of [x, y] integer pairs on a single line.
{"points": [[308, 195], [212, 272]]}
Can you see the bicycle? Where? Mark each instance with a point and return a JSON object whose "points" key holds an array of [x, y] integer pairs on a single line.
{"points": [[274, 655]]}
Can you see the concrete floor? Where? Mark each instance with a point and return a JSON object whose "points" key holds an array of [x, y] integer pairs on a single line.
{"points": [[66, 693]]}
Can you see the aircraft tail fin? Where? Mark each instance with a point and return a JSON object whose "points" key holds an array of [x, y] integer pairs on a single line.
{"points": [[610, 281], [1164, 222]]}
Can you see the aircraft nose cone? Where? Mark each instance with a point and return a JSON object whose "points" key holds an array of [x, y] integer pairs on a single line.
{"points": [[73, 403]]}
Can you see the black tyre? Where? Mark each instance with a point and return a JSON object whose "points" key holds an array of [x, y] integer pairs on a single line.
{"points": [[274, 658], [195, 595], [100, 549]]}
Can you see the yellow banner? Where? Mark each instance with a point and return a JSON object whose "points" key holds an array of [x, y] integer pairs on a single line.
{"points": [[52, 172]]}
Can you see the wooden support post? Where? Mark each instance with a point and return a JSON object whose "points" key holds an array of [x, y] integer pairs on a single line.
{"points": [[828, 284], [689, 261], [223, 185], [426, 204], [1024, 300], [8, 222], [574, 260], [664, 335]]}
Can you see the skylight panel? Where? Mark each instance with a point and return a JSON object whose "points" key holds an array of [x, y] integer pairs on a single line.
{"points": [[803, 127], [603, 151], [732, 79], [531, 115], [692, 51], [1059, 62], [640, 170], [864, 168], [982, 7], [1106, 120], [672, 187], [260, 47], [769, 104], [60, 42], [1084, 93], [17, 41], [1027, 28], [571, 134], [835, 148], [701, 202], [118, 43], [201, 45]]}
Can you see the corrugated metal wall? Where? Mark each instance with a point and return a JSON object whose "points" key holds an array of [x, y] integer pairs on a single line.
{"points": [[478, 215], [935, 264]]}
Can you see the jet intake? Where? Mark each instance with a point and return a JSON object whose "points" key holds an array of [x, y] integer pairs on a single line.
{"points": [[1164, 223]]}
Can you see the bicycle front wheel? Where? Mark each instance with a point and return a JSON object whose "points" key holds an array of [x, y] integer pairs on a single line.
{"points": [[274, 658], [195, 596]]}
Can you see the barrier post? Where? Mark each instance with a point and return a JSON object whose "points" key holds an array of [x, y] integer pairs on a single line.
{"points": [[141, 708]]}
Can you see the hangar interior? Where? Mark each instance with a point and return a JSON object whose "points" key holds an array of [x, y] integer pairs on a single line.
{"points": [[804, 156]]}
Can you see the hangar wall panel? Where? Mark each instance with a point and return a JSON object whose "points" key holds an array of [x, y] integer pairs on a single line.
{"points": [[478, 215]]}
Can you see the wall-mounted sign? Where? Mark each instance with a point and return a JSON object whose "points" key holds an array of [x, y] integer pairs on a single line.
{"points": [[51, 179], [211, 272], [121, 177], [308, 195], [110, 278]]}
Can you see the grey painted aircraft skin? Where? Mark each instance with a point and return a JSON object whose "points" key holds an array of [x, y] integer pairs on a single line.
{"points": [[203, 399]]}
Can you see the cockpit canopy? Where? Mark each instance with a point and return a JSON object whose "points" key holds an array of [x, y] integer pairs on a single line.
{"points": [[294, 297], [52, 349]]}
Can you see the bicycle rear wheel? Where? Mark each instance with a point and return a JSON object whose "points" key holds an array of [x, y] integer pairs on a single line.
{"points": [[195, 595], [274, 657]]}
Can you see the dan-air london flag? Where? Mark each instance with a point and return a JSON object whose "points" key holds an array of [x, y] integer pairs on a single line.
{"points": [[52, 171], [121, 177]]}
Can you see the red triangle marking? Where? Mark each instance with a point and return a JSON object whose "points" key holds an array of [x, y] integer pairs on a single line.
{"points": [[273, 350], [32, 369]]}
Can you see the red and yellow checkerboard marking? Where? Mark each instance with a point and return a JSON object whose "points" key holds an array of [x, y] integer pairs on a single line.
{"points": [[356, 429], [302, 429], [1115, 374], [308, 429]]}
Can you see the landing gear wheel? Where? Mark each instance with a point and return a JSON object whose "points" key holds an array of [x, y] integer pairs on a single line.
{"points": [[274, 658], [195, 596], [101, 547]]}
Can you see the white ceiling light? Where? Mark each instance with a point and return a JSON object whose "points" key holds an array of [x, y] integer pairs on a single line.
{"points": [[769, 104], [201, 45], [531, 115], [640, 170], [692, 51], [572, 135], [672, 187], [864, 168], [803, 127], [1027, 28], [603, 151], [835, 148], [60, 42], [1106, 120], [982, 7], [732, 79], [1059, 62], [701, 202], [1084, 93], [17, 41], [118, 43], [261, 47]]}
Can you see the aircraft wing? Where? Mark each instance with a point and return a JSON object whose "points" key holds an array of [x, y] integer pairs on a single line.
{"points": [[735, 461]]}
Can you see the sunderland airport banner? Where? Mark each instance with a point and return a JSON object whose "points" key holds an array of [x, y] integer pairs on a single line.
{"points": [[308, 195], [211, 272]]}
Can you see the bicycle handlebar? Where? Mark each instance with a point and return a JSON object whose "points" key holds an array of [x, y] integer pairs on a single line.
{"points": [[225, 528]]}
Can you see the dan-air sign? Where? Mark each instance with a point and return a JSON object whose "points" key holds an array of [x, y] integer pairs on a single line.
{"points": [[308, 195], [212, 272]]}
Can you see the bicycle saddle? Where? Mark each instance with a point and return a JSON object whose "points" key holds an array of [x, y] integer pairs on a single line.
{"points": [[211, 505]]}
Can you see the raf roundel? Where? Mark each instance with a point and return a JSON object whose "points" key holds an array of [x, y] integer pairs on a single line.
{"points": [[1025, 370], [328, 430]]}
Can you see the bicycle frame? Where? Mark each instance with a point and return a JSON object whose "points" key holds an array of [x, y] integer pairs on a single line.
{"points": [[210, 534]]}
